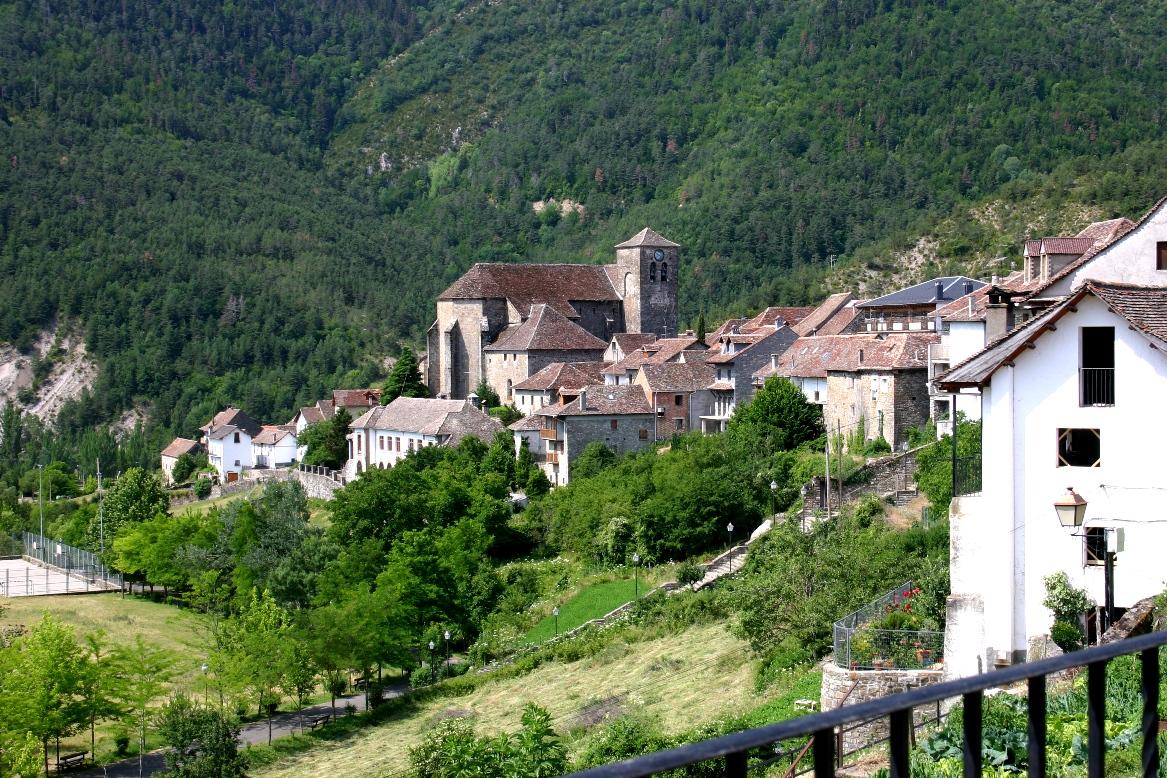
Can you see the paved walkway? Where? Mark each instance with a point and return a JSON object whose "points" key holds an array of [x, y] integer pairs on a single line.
{"points": [[255, 733]]}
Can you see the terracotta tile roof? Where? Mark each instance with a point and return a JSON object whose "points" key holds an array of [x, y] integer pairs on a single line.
{"points": [[773, 315], [1066, 245], [960, 310], [677, 376], [524, 285], [729, 325], [630, 341], [1144, 308], [311, 415], [813, 357], [828, 308], [722, 386], [563, 375], [327, 408], [1106, 234], [469, 422], [742, 343], [1033, 247], [547, 330], [420, 415], [236, 418], [647, 237], [527, 424], [180, 446], [355, 398], [633, 360], [271, 435], [696, 355], [932, 292], [627, 399], [838, 324], [668, 349]]}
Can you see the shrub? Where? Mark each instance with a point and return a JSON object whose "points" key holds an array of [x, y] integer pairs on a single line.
{"points": [[689, 572], [202, 488], [876, 447], [1067, 636]]}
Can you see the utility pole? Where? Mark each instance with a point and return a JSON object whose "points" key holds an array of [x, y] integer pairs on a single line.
{"points": [[40, 498], [839, 434], [827, 472], [101, 515]]}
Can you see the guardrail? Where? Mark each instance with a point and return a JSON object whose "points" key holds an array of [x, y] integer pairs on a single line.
{"points": [[737, 750]]}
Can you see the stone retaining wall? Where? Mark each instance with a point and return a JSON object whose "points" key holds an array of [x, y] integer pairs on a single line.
{"points": [[319, 486], [850, 687]]}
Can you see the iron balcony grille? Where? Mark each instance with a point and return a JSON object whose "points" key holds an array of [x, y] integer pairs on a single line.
{"points": [[966, 476], [1097, 385], [735, 750]]}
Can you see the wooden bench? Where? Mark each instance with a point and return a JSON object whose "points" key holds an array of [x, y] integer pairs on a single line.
{"points": [[71, 761], [317, 721]]}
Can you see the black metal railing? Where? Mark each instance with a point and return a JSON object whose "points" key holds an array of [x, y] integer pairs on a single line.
{"points": [[1097, 385], [966, 476], [737, 750]]}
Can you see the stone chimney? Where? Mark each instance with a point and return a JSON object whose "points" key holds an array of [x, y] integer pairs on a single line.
{"points": [[939, 290], [999, 314], [773, 361], [967, 286], [583, 398]]}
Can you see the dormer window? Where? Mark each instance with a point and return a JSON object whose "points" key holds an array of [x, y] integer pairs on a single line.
{"points": [[1161, 255], [652, 271]]}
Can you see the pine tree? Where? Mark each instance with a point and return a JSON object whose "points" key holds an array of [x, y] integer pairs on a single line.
{"points": [[701, 327], [404, 380]]}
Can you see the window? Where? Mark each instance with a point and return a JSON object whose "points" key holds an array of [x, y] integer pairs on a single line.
{"points": [[510, 389], [1095, 545], [614, 424], [652, 271], [397, 444], [1079, 448], [236, 437], [679, 399], [358, 445], [381, 442], [1161, 255], [664, 272], [644, 434], [1096, 375], [678, 424]]}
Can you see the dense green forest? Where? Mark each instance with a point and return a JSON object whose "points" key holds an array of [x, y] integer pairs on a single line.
{"points": [[253, 204]]}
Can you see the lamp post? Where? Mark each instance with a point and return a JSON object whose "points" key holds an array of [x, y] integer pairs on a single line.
{"points": [[1071, 511], [773, 498], [40, 496], [206, 687], [446, 635], [636, 576], [433, 678], [555, 613], [729, 529]]}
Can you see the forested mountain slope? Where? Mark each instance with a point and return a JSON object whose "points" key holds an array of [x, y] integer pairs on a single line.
{"points": [[248, 203]]}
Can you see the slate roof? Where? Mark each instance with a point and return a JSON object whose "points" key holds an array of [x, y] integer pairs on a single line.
{"points": [[563, 375], [546, 329], [630, 341], [924, 293], [813, 357], [235, 418], [729, 325], [420, 415], [218, 433], [468, 422], [828, 308], [180, 446], [271, 435], [627, 399], [1144, 308], [648, 237], [524, 285], [678, 376], [527, 424], [355, 398]]}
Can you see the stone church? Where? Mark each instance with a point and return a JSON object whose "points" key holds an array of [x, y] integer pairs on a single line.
{"points": [[504, 322]]}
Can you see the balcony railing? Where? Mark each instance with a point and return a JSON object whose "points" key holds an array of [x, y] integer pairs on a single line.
{"points": [[548, 434], [736, 751], [552, 457], [966, 476], [1097, 385]]}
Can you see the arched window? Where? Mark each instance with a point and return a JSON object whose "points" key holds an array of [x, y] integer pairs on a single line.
{"points": [[651, 271], [664, 272], [510, 389]]}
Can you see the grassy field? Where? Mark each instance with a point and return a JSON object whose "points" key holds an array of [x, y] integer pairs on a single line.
{"points": [[684, 680], [590, 603]]}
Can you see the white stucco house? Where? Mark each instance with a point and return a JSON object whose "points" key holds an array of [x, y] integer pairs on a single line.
{"points": [[386, 434], [227, 439], [1068, 400], [275, 446], [171, 453]]}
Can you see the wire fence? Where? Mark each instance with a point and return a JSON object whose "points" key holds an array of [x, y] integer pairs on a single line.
{"points": [[48, 566], [847, 627]]}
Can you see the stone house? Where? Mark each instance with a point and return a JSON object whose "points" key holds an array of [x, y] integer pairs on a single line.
{"points": [[636, 294], [617, 416], [386, 434], [171, 453], [913, 307], [678, 393], [544, 338], [559, 381], [227, 439], [658, 352], [740, 352]]}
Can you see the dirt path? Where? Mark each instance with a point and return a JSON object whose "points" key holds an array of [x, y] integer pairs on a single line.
{"points": [[255, 733]]}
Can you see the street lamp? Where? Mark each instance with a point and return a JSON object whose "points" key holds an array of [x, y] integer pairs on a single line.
{"points": [[433, 678], [774, 498], [555, 613], [206, 687], [1071, 508], [635, 576], [729, 529], [447, 637]]}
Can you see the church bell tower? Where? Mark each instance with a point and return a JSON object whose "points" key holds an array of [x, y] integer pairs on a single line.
{"points": [[649, 265]]}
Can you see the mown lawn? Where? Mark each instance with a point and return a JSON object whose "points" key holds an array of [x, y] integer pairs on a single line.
{"points": [[590, 603]]}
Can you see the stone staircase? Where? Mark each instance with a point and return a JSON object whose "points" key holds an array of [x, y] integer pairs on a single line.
{"points": [[726, 564], [904, 496]]}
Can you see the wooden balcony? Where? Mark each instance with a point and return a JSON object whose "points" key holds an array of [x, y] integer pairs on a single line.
{"points": [[553, 457], [548, 434]]}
